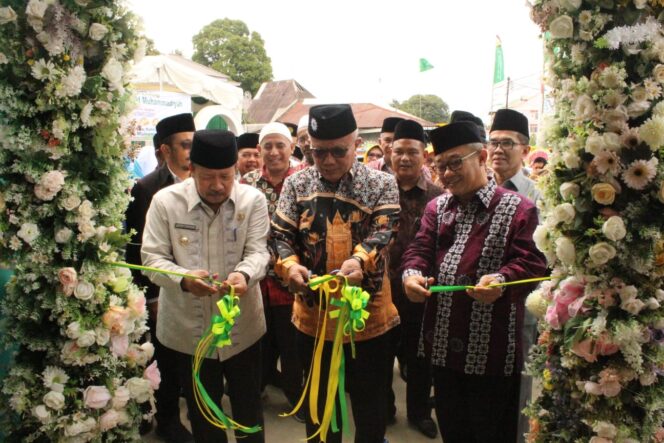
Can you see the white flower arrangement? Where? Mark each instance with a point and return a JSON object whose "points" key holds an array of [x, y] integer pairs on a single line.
{"points": [[600, 356], [79, 374]]}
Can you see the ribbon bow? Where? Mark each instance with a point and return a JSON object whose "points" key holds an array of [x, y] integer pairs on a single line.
{"points": [[355, 300], [223, 322]]}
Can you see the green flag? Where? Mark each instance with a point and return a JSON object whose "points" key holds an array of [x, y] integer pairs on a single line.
{"points": [[425, 65], [498, 67]]}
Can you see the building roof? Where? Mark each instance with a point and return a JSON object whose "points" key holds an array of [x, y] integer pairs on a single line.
{"points": [[367, 115], [273, 99]]}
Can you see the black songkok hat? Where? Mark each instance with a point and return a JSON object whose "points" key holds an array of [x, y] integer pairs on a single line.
{"points": [[510, 120], [329, 122], [464, 116], [174, 124], [409, 129], [247, 140], [390, 123], [453, 135], [214, 149], [292, 128]]}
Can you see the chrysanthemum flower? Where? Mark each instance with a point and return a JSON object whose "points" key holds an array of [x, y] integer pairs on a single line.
{"points": [[640, 173]]}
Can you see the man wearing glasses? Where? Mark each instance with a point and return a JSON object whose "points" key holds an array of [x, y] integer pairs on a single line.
{"points": [[339, 215], [477, 234], [508, 147]]}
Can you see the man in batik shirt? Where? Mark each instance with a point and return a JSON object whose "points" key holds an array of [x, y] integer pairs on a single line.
{"points": [[339, 215], [477, 234]]}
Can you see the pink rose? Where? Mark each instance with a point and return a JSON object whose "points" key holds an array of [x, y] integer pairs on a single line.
{"points": [[96, 397], [115, 318], [68, 279], [586, 349], [120, 397], [659, 435], [592, 388], [570, 289], [606, 299], [605, 346], [551, 317], [600, 440], [576, 307], [119, 345], [136, 303], [109, 420], [611, 389], [153, 375]]}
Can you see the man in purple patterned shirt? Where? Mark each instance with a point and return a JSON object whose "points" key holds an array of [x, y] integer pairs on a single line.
{"points": [[477, 234]]}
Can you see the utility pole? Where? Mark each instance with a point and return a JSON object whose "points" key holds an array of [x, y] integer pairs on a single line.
{"points": [[507, 94]]}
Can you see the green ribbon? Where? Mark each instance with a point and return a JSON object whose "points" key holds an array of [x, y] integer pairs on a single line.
{"points": [[223, 322], [449, 288]]}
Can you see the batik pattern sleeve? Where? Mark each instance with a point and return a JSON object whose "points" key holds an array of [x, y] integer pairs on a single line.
{"points": [[284, 231], [382, 223], [523, 260]]}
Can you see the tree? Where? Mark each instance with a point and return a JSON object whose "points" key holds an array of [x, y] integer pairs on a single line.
{"points": [[227, 46], [429, 107]]}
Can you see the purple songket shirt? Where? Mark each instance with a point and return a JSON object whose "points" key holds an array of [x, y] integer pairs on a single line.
{"points": [[459, 243]]}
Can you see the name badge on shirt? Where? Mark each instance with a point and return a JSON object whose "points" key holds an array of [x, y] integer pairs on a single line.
{"points": [[186, 226]]}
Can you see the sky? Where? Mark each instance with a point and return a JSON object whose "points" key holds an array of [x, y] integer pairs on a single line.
{"points": [[368, 51]]}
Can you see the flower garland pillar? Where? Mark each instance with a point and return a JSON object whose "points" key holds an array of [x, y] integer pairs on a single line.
{"points": [[600, 357], [78, 374]]}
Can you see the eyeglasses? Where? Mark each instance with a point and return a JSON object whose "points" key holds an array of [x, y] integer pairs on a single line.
{"points": [[454, 164], [335, 152], [505, 144]]}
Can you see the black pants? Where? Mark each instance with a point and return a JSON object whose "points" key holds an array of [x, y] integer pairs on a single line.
{"points": [[419, 379], [279, 344], [395, 347], [242, 372], [365, 382], [168, 394], [476, 408]]}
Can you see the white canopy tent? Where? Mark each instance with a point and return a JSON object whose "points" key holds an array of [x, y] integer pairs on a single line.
{"points": [[176, 73]]}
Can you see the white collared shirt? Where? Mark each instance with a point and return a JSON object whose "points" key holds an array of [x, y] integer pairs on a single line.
{"points": [[183, 234]]}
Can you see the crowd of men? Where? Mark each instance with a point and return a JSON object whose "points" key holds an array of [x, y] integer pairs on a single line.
{"points": [[266, 212]]}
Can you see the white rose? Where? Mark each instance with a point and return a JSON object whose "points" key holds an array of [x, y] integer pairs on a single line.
{"points": [[103, 335], [41, 413], [615, 118], [97, 31], [605, 429], [87, 231], [7, 15], [109, 420], [647, 378], [658, 73], [148, 349], [36, 8], [569, 190], [565, 250], [651, 304], [633, 306], [600, 253], [562, 27], [139, 389], [614, 228], [639, 94], [611, 141], [594, 144], [85, 115], [43, 193], [85, 209], [63, 235], [120, 397], [570, 5], [585, 35], [113, 73], [541, 237], [71, 202], [28, 232], [54, 400], [571, 159], [640, 4], [80, 427], [84, 290], [637, 109], [564, 213], [87, 338], [584, 108], [73, 330]]}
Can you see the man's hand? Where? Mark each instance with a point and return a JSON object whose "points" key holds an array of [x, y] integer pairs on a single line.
{"points": [[298, 277], [198, 287], [352, 270], [483, 294], [415, 287], [238, 281]]}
